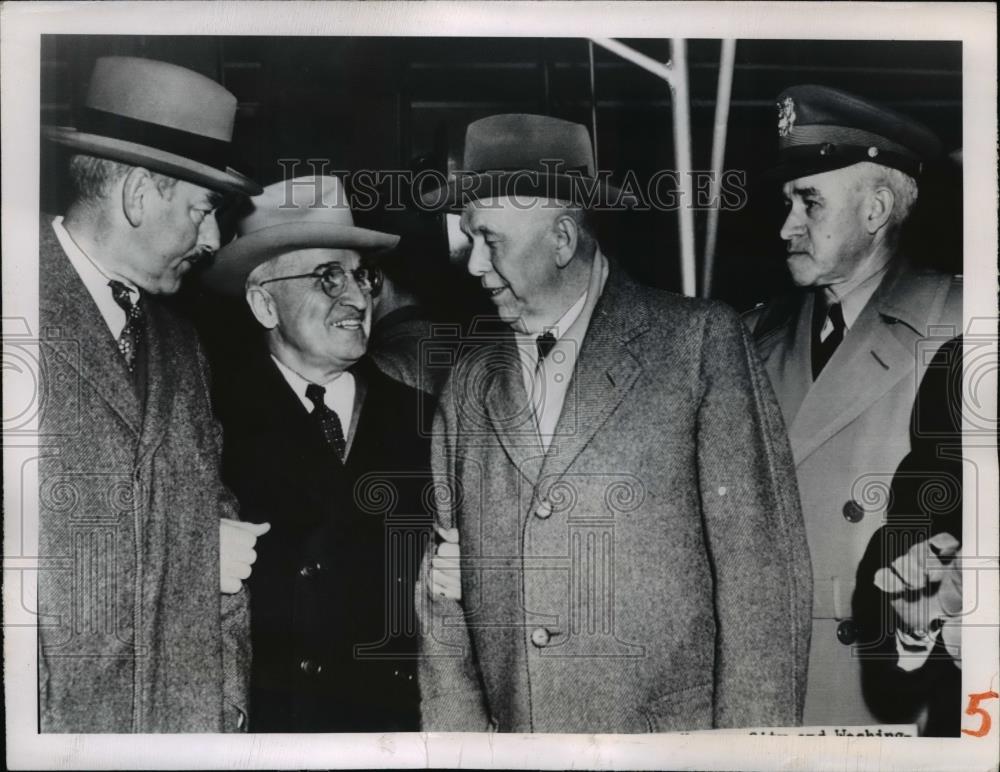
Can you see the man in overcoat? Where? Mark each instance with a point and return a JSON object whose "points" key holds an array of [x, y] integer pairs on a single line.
{"points": [[616, 473], [329, 451], [846, 353], [134, 633]]}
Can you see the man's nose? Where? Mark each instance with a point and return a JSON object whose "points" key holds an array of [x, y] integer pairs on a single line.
{"points": [[208, 234], [792, 226], [353, 295], [479, 263]]}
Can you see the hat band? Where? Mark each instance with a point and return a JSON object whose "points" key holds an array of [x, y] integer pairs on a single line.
{"points": [[818, 134], [195, 147]]}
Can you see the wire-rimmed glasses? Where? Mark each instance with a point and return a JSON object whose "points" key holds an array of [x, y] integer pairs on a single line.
{"points": [[332, 278]]}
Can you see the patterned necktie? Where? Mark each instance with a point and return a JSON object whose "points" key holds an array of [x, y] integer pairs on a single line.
{"points": [[544, 343], [822, 350], [131, 334], [329, 421]]}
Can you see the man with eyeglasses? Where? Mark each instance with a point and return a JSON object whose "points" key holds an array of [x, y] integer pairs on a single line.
{"points": [[329, 451]]}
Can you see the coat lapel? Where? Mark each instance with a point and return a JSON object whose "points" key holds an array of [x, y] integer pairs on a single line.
{"points": [[67, 305], [508, 407], [878, 352], [787, 367], [162, 361], [606, 369]]}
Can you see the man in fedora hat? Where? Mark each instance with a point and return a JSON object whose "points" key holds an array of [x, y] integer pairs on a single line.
{"points": [[133, 633], [846, 353], [615, 472], [330, 451]]}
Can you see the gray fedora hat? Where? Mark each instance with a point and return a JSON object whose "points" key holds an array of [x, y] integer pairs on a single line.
{"points": [[299, 213], [162, 117], [519, 154]]}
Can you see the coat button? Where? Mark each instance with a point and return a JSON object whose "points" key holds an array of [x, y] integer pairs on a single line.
{"points": [[853, 511], [540, 637], [543, 510], [310, 667], [310, 570], [847, 632]]}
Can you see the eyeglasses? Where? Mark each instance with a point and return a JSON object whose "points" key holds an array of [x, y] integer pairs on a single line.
{"points": [[333, 279]]}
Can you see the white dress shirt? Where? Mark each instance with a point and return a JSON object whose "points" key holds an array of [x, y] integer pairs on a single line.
{"points": [[546, 384], [339, 395], [95, 279]]}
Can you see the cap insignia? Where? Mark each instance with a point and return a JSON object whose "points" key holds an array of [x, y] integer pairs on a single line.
{"points": [[786, 116]]}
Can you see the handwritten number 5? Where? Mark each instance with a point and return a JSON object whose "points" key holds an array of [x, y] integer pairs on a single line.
{"points": [[973, 709]]}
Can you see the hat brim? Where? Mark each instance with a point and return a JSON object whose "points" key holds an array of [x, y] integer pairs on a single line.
{"points": [[237, 259], [588, 192], [227, 181]]}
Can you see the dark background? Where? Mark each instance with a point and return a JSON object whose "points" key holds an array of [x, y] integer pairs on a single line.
{"points": [[389, 103]]}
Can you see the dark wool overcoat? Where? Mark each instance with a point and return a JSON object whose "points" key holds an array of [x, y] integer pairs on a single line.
{"points": [[649, 572], [333, 626], [849, 431], [134, 634]]}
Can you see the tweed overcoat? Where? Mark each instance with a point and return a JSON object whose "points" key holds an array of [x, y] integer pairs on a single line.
{"points": [[134, 634], [849, 430], [334, 636], [649, 572]]}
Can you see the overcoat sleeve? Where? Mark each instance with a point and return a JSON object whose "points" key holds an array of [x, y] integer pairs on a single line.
{"points": [[451, 694], [755, 535], [234, 608]]}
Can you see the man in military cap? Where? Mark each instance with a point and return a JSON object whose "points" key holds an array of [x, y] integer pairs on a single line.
{"points": [[133, 634], [845, 353]]}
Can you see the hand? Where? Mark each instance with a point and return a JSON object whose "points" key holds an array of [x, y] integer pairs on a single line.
{"points": [[446, 581], [236, 552], [927, 586]]}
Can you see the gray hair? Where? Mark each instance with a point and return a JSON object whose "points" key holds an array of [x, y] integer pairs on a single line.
{"points": [[93, 178]]}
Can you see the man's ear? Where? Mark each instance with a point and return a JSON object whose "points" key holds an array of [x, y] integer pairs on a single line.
{"points": [[262, 305], [136, 189], [880, 203], [567, 234]]}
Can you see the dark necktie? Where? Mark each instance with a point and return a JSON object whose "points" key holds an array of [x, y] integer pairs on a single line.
{"points": [[131, 334], [822, 350], [544, 343], [329, 421]]}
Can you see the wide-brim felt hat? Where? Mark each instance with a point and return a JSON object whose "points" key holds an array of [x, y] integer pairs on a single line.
{"points": [[159, 116], [299, 213], [523, 155], [821, 129]]}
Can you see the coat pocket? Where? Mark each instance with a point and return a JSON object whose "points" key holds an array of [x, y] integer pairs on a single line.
{"points": [[683, 710]]}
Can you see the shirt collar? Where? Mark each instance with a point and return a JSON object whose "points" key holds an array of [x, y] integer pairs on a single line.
{"points": [[854, 302], [95, 279], [339, 394], [89, 269]]}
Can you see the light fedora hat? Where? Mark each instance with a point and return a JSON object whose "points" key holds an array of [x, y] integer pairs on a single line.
{"points": [[298, 213], [518, 154], [161, 117]]}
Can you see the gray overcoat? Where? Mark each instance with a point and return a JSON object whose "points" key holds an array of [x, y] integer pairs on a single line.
{"points": [[134, 634], [650, 571], [848, 431]]}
